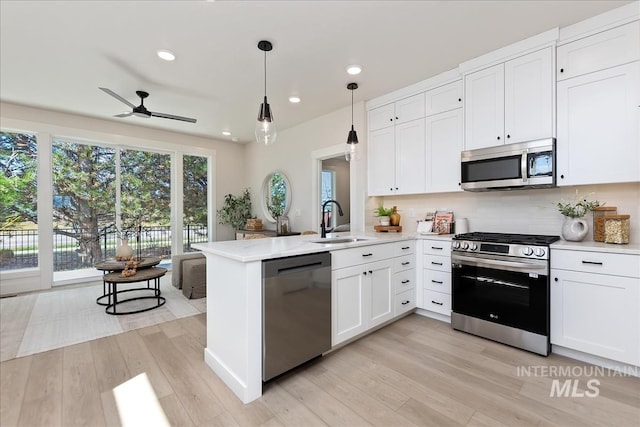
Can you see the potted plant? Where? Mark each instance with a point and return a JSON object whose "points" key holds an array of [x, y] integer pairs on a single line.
{"points": [[574, 228], [236, 210], [383, 214]]}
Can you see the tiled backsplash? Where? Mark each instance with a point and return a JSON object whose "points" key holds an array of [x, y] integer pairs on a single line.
{"points": [[520, 211]]}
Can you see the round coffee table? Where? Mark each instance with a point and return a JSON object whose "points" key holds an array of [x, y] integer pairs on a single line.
{"points": [[151, 275], [111, 265]]}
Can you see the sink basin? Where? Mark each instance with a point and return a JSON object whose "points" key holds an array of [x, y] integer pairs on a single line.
{"points": [[328, 240]]}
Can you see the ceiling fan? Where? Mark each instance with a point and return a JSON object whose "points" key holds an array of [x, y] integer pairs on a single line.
{"points": [[141, 110]]}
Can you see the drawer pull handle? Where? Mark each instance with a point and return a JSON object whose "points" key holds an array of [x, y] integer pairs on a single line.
{"points": [[405, 302], [592, 262], [406, 247], [406, 263], [437, 281], [436, 263], [437, 248], [369, 254], [405, 281], [437, 303]]}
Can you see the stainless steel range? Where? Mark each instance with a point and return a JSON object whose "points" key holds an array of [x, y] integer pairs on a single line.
{"points": [[500, 288]]}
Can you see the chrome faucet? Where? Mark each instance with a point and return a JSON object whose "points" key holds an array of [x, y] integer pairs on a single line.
{"points": [[323, 226]]}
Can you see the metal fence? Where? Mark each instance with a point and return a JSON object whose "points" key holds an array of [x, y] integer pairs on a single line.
{"points": [[19, 248]]}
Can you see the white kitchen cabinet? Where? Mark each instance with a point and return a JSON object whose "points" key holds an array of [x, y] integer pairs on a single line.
{"points": [[595, 304], [366, 285], [444, 98], [436, 277], [510, 102], [599, 51], [598, 127], [444, 142], [396, 159], [402, 111]]}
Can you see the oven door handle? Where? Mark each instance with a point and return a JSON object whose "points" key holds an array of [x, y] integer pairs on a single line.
{"points": [[483, 262], [482, 279]]}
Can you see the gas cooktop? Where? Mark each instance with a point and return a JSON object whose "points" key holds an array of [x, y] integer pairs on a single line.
{"points": [[520, 239]]}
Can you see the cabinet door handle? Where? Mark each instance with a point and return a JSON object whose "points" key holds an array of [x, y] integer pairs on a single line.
{"points": [[369, 254], [406, 263], [436, 263], [437, 303], [508, 136], [405, 248], [436, 248], [405, 281], [364, 272], [555, 279], [562, 176], [592, 262], [459, 99], [498, 138], [562, 70], [405, 302], [437, 281]]}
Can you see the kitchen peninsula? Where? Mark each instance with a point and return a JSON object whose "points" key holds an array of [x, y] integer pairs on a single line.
{"points": [[234, 300]]}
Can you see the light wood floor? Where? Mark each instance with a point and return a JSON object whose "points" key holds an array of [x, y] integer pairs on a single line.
{"points": [[415, 372]]}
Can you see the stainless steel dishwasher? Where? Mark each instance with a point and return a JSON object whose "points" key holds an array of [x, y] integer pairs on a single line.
{"points": [[296, 311]]}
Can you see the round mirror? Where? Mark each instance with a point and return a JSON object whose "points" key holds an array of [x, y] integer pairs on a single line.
{"points": [[276, 195]]}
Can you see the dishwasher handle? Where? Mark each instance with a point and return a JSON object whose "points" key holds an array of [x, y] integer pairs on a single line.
{"points": [[295, 264]]}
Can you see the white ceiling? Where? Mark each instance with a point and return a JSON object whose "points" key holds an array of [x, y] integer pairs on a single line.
{"points": [[56, 54]]}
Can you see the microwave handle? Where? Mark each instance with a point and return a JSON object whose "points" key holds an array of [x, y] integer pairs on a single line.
{"points": [[524, 166]]}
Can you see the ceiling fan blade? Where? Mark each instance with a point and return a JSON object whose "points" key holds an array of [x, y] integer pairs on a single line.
{"points": [[123, 115], [171, 116], [116, 96]]}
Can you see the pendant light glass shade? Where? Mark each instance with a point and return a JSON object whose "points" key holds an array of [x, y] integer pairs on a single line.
{"points": [[265, 128], [351, 152]]}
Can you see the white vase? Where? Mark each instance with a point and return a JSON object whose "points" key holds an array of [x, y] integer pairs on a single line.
{"points": [[574, 229], [384, 220], [124, 251]]}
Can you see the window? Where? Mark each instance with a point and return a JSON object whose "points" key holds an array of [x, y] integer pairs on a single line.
{"points": [[327, 192], [18, 201], [194, 201]]}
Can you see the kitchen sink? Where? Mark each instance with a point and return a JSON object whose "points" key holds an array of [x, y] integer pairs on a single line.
{"points": [[328, 240]]}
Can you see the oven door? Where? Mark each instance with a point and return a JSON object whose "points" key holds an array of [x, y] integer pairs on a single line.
{"points": [[502, 290]]}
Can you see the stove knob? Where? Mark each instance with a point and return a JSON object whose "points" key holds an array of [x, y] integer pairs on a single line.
{"points": [[474, 247], [527, 251], [465, 245], [456, 245], [539, 252]]}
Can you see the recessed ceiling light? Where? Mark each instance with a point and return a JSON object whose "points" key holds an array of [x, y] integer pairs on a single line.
{"points": [[294, 99], [166, 55], [226, 133], [354, 69]]}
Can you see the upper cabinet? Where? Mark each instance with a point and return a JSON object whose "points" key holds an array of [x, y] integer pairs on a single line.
{"points": [[510, 102], [599, 108], [396, 147], [444, 98], [402, 111]]}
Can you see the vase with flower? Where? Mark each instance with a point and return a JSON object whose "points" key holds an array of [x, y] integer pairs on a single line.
{"points": [[574, 227]]}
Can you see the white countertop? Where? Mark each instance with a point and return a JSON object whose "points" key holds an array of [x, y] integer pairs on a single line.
{"points": [[278, 247], [631, 249]]}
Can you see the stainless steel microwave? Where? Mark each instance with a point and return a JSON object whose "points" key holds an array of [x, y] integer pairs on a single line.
{"points": [[530, 164]]}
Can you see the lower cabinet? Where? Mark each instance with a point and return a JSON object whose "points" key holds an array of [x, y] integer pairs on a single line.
{"points": [[436, 276], [595, 304], [371, 293]]}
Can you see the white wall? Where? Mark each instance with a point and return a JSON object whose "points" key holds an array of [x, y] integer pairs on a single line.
{"points": [[520, 211], [291, 154]]}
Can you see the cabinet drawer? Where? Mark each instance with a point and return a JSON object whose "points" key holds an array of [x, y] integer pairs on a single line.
{"points": [[603, 50], [440, 263], [437, 301], [596, 262], [437, 247], [444, 98], [404, 248], [404, 280], [406, 262], [360, 255], [439, 281], [405, 301]]}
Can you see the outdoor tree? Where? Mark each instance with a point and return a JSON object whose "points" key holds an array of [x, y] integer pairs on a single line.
{"points": [[18, 155]]}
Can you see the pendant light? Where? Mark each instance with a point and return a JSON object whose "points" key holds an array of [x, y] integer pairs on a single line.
{"points": [[351, 152], [265, 128]]}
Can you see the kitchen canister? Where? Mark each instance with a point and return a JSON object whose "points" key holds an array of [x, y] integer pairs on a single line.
{"points": [[598, 220], [462, 225], [616, 229]]}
